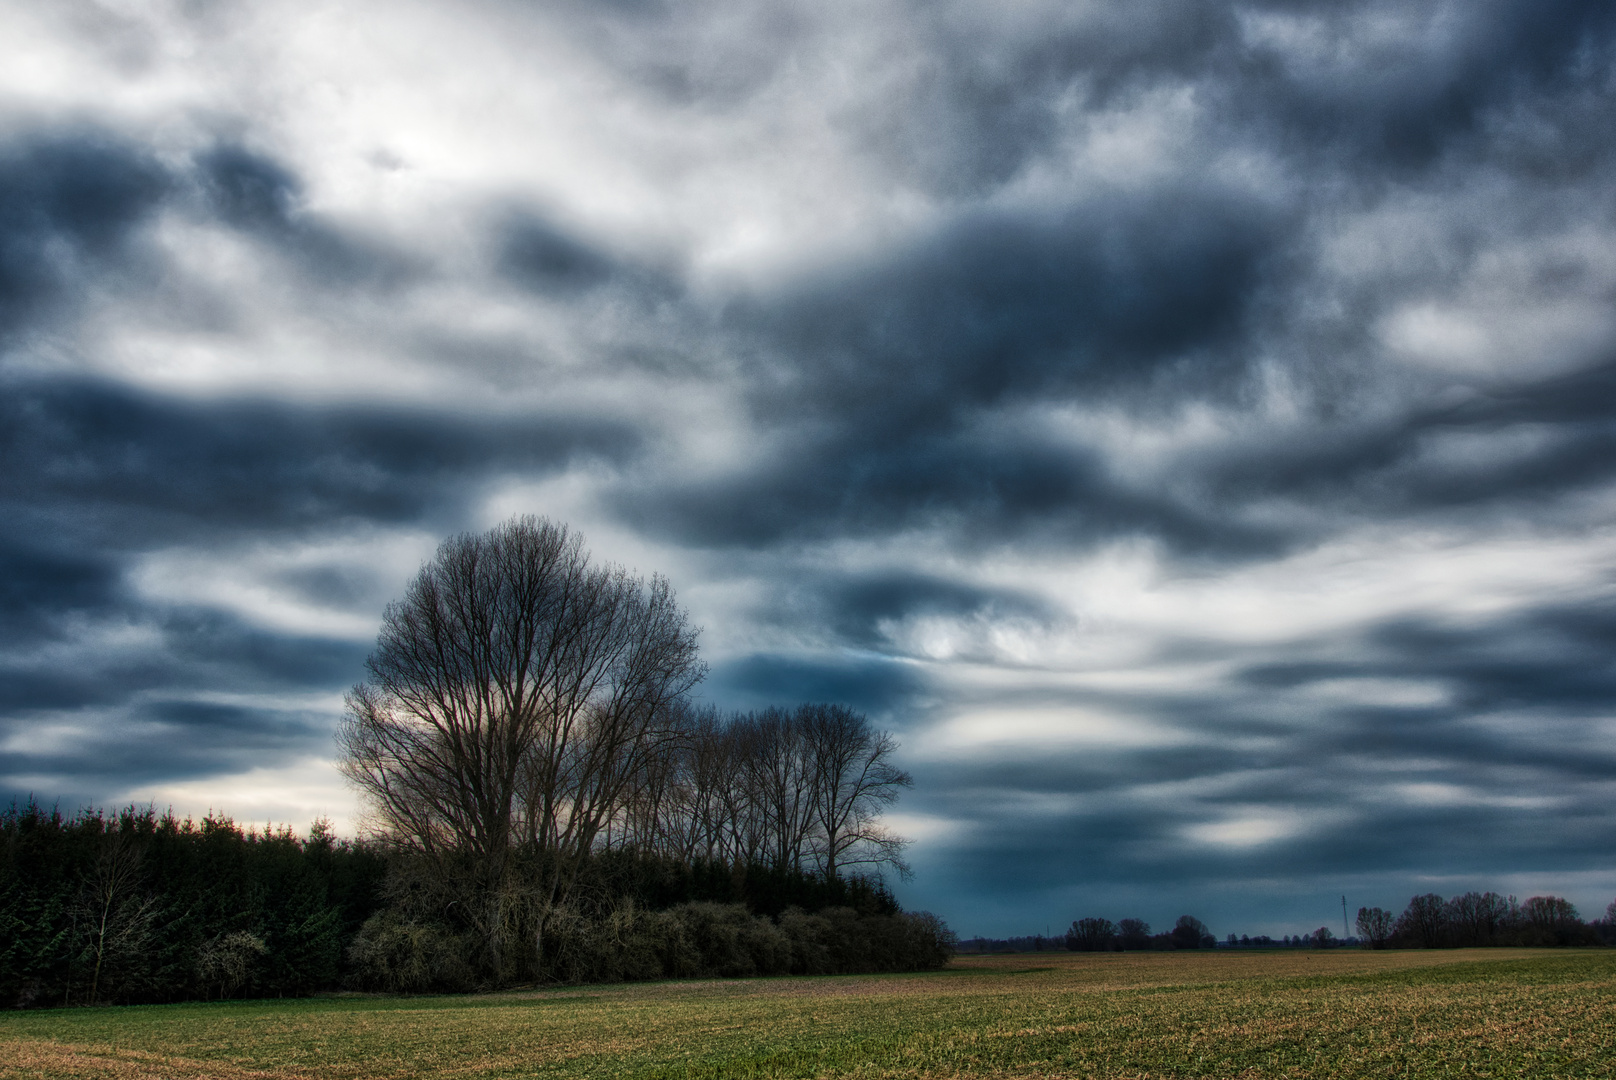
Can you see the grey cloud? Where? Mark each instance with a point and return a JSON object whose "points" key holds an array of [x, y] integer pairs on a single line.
{"points": [[165, 742], [1004, 305], [41, 584], [72, 204], [857, 607], [1383, 464], [891, 366], [1428, 91], [69, 202], [877, 685], [262, 198], [549, 260], [138, 712], [980, 491], [1507, 761], [248, 190], [161, 469]]}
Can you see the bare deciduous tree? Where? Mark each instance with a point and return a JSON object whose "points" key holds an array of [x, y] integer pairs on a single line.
{"points": [[516, 694], [780, 774], [118, 913], [1424, 922], [1480, 918], [1092, 934], [1375, 926], [854, 781]]}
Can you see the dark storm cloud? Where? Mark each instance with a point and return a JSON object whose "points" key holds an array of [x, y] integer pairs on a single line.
{"points": [[141, 714], [1413, 98], [545, 258], [987, 100], [73, 205], [1013, 305], [136, 468], [167, 741], [69, 203], [96, 475], [183, 651], [891, 367], [40, 584], [878, 685], [879, 374], [1387, 463], [983, 488]]}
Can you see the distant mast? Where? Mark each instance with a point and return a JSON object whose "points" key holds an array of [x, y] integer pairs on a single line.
{"points": [[1345, 932]]}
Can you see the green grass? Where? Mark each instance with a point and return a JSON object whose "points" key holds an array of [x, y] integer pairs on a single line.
{"points": [[1483, 1013]]}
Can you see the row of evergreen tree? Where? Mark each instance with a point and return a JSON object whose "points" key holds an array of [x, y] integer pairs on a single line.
{"points": [[139, 906]]}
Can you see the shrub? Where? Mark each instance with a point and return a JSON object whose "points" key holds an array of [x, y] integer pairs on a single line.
{"points": [[229, 961], [930, 944], [406, 957]]}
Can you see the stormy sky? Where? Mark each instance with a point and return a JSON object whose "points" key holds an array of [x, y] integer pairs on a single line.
{"points": [[1190, 426]]}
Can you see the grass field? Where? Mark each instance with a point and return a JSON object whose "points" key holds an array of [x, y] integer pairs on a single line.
{"points": [[1482, 1013]]}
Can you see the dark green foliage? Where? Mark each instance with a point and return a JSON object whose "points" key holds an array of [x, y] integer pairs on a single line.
{"points": [[405, 957], [657, 882], [626, 942], [707, 940], [141, 907], [138, 907]]}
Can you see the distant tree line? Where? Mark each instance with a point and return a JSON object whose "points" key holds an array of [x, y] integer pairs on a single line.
{"points": [[1429, 922], [1094, 934], [1032, 943], [1322, 938], [1482, 919]]}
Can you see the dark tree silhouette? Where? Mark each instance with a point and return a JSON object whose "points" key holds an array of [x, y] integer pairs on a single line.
{"points": [[1092, 935], [1424, 922], [1479, 918], [516, 694], [1134, 934], [1191, 933], [1375, 927], [1553, 920]]}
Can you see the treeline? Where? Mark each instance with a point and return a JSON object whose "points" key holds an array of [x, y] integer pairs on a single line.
{"points": [[790, 789], [1482, 919], [526, 715], [138, 906], [1094, 934], [1031, 943], [1322, 938], [142, 907]]}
